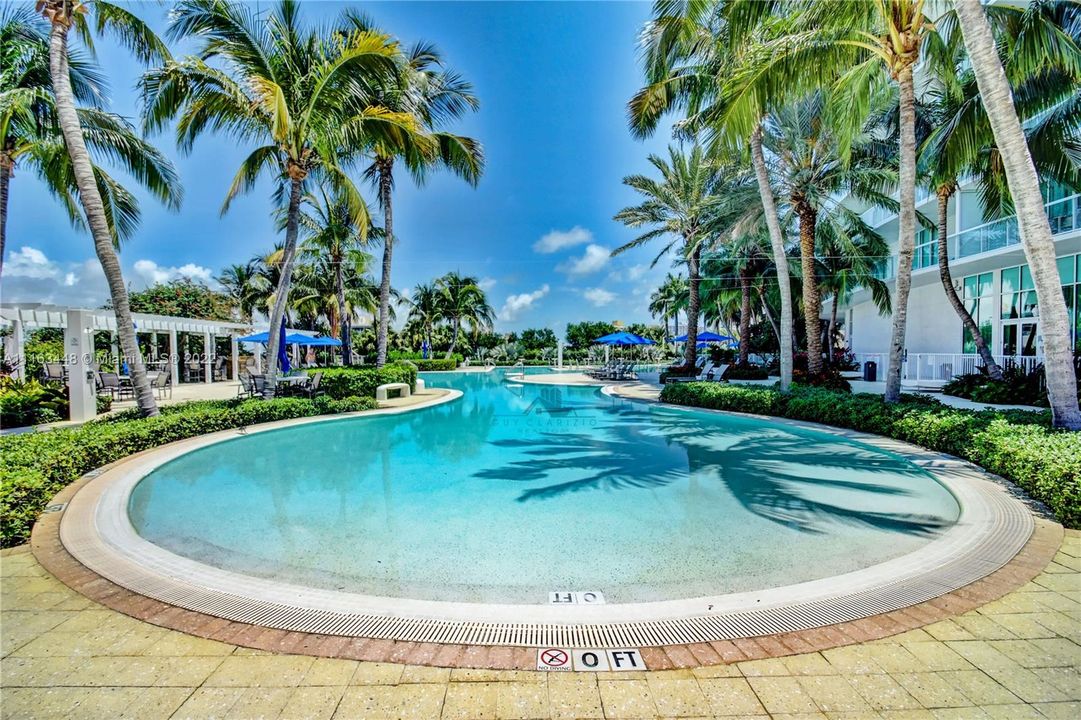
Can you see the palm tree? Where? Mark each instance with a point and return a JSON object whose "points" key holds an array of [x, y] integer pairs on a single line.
{"points": [[689, 52], [867, 45], [304, 96], [136, 35], [464, 302], [1033, 226], [432, 96], [30, 132], [849, 262], [246, 287], [812, 173], [960, 141], [696, 201], [667, 301], [334, 243], [426, 309], [330, 292], [731, 279]]}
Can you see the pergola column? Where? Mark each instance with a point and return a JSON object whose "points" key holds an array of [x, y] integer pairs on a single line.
{"points": [[208, 360], [174, 358], [13, 349], [234, 346], [79, 355]]}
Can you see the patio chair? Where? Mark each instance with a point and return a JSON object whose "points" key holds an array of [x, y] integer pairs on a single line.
{"points": [[247, 387], [54, 372], [258, 383], [110, 382], [162, 382], [716, 373], [313, 385], [219, 369]]}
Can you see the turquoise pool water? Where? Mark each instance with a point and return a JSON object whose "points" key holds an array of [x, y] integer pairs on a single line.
{"points": [[513, 491]]}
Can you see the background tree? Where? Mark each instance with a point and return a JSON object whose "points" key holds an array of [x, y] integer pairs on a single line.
{"points": [[1032, 223], [581, 335], [305, 96], [431, 95], [464, 303], [426, 310], [137, 36], [183, 297]]}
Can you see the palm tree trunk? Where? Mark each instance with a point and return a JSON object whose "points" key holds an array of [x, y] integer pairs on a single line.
{"points": [[281, 297], [744, 315], [94, 209], [944, 193], [812, 301], [1032, 222], [769, 315], [5, 181], [906, 232], [385, 168], [780, 259], [832, 327], [457, 325], [690, 350], [343, 315]]}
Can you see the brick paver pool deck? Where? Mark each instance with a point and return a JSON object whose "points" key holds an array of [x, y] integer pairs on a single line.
{"points": [[65, 656]]}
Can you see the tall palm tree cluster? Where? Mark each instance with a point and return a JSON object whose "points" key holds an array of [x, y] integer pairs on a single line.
{"points": [[319, 107], [788, 116], [454, 301]]}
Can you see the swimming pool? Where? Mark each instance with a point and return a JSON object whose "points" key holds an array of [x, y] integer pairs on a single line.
{"points": [[516, 490]]}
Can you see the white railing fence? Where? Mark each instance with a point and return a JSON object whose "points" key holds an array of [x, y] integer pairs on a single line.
{"points": [[937, 369]]}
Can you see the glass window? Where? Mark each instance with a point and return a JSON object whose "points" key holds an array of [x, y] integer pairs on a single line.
{"points": [[1026, 278], [976, 291], [1011, 280], [1067, 269]]}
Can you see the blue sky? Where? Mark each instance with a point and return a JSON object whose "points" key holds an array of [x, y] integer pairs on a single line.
{"points": [[553, 79]]}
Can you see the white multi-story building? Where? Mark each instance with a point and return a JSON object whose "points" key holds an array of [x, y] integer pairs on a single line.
{"points": [[989, 272]]}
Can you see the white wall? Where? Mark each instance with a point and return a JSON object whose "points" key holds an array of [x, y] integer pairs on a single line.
{"points": [[933, 326]]}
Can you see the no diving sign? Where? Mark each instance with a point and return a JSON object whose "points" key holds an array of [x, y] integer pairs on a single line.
{"points": [[589, 660]]}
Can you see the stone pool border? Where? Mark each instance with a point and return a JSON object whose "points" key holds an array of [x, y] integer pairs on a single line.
{"points": [[1033, 556]]}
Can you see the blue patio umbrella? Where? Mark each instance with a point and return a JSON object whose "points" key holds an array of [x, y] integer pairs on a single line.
{"points": [[622, 338], [283, 354], [424, 349], [704, 337], [313, 341]]}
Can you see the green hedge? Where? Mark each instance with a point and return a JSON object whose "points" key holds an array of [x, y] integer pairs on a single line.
{"points": [[435, 365], [1019, 445], [35, 466], [362, 381]]}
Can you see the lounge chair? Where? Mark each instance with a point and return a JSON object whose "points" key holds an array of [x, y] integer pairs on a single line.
{"points": [[716, 374], [247, 387], [703, 371]]}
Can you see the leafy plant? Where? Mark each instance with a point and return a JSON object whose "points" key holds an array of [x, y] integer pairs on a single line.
{"points": [[362, 381]]}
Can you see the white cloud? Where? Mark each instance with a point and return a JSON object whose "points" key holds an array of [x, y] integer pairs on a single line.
{"points": [[151, 273], [636, 271], [595, 258], [599, 296], [516, 304], [28, 262], [486, 283], [559, 239], [30, 276]]}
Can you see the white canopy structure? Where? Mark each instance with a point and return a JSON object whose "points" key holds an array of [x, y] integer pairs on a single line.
{"points": [[79, 325]]}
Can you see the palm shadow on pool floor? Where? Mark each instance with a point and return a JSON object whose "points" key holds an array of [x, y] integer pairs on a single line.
{"points": [[757, 467]]}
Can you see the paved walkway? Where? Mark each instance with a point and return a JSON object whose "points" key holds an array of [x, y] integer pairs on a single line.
{"points": [[67, 657]]}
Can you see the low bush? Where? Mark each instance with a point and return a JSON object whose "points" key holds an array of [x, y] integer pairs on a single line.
{"points": [[435, 365], [32, 402], [35, 466], [1017, 387], [341, 382], [1020, 445], [828, 379]]}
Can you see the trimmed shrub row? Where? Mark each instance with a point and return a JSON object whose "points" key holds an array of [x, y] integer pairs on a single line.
{"points": [[1018, 445], [36, 466], [435, 365], [341, 382]]}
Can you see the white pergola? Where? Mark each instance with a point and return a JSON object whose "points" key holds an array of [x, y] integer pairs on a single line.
{"points": [[79, 324]]}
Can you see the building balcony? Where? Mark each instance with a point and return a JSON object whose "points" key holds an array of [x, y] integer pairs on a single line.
{"points": [[1064, 216]]}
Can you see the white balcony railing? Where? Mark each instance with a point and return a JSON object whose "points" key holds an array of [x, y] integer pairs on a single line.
{"points": [[1064, 216], [929, 370]]}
